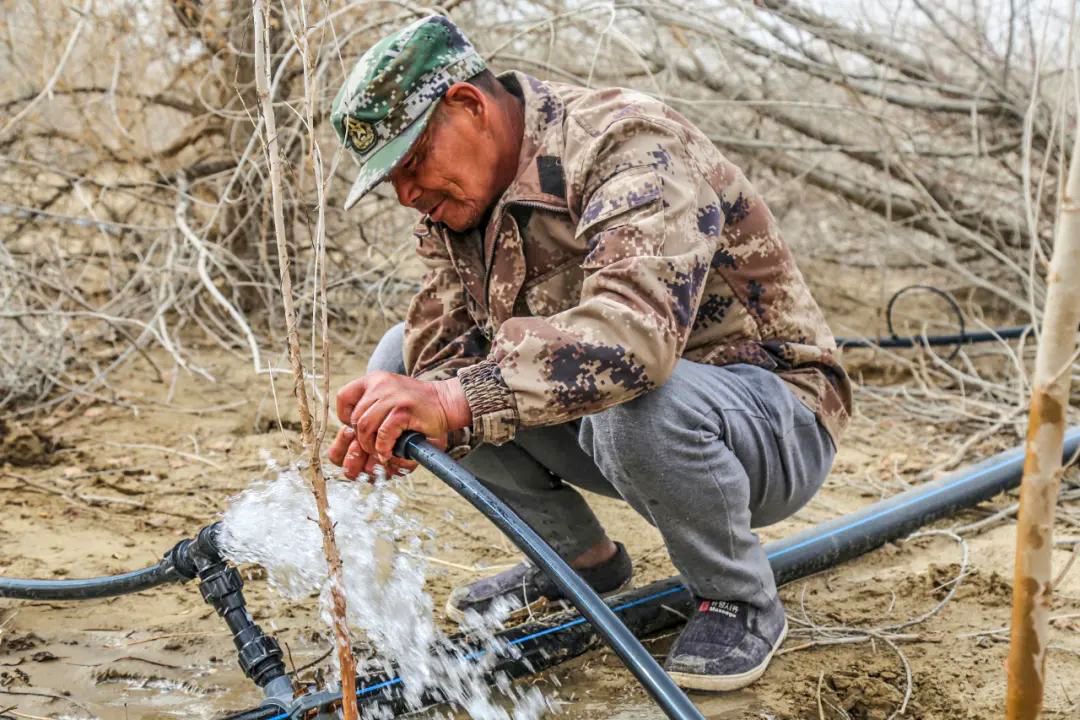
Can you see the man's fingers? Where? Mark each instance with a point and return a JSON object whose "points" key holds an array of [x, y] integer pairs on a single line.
{"points": [[370, 465], [338, 448], [389, 431], [367, 420], [355, 460], [402, 467], [344, 443], [379, 407], [347, 397]]}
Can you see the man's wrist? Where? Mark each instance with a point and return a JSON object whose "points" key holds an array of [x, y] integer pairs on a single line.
{"points": [[454, 404]]}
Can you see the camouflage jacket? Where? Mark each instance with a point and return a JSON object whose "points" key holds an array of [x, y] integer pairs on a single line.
{"points": [[625, 242]]}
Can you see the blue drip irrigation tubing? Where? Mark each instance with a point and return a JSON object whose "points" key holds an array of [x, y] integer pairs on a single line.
{"points": [[518, 641], [973, 477]]}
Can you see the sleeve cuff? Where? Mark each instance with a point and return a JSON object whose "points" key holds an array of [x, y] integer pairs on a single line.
{"points": [[459, 443], [441, 373], [494, 410]]}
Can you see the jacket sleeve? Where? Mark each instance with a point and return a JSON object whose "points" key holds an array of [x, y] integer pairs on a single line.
{"points": [[440, 335], [648, 254]]}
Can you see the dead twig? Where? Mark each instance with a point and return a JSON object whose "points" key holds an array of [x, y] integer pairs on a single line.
{"points": [[312, 438]]}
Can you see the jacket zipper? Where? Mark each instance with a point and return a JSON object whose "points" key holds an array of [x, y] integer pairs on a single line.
{"points": [[489, 266]]}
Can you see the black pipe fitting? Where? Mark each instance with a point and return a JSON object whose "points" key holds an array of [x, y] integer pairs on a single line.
{"points": [[180, 557], [220, 584], [189, 555], [222, 588]]}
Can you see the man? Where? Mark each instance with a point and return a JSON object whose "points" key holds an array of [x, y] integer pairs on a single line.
{"points": [[608, 304]]}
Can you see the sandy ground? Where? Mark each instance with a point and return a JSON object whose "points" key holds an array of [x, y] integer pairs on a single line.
{"points": [[105, 489]]}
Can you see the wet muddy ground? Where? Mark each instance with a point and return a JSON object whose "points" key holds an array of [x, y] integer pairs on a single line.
{"points": [[100, 488]]}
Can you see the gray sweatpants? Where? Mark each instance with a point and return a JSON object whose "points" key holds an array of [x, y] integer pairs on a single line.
{"points": [[707, 456]]}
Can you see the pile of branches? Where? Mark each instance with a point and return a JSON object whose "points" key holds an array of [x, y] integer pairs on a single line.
{"points": [[136, 209], [136, 218]]}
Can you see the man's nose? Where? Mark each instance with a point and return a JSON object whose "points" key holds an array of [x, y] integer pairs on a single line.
{"points": [[408, 192]]}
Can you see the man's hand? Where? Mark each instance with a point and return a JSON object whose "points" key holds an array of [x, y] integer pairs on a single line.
{"points": [[380, 406]]}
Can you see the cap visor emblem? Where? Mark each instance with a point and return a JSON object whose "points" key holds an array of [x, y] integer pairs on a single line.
{"points": [[361, 134]]}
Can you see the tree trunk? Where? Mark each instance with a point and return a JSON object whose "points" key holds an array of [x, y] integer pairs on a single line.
{"points": [[1032, 585]]}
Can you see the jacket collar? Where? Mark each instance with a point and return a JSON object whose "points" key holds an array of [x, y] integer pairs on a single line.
{"points": [[540, 176], [540, 179]]}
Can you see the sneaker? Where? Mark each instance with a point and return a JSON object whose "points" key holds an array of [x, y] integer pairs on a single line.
{"points": [[726, 645], [525, 587]]}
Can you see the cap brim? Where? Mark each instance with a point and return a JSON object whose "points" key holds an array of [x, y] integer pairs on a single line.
{"points": [[375, 169]]}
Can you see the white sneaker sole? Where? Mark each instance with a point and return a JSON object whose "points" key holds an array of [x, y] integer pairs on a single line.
{"points": [[727, 683]]}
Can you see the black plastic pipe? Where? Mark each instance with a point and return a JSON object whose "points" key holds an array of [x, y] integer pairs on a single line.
{"points": [[91, 588], [672, 700], [836, 541], [963, 337], [910, 341]]}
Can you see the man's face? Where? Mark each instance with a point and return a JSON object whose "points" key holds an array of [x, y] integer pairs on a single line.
{"points": [[451, 171]]}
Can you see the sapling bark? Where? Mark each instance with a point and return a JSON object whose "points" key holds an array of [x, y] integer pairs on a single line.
{"points": [[1033, 579], [312, 440]]}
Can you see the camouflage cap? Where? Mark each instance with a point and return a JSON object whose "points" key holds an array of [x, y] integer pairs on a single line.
{"points": [[386, 101]]}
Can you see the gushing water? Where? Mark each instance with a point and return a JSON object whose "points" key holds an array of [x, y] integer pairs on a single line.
{"points": [[273, 524]]}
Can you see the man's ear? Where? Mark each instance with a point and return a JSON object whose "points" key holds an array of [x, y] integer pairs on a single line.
{"points": [[468, 98]]}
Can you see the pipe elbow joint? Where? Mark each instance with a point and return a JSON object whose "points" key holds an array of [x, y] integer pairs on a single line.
{"points": [[192, 555]]}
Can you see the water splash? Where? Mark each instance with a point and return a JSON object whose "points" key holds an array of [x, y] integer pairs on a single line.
{"points": [[273, 524]]}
